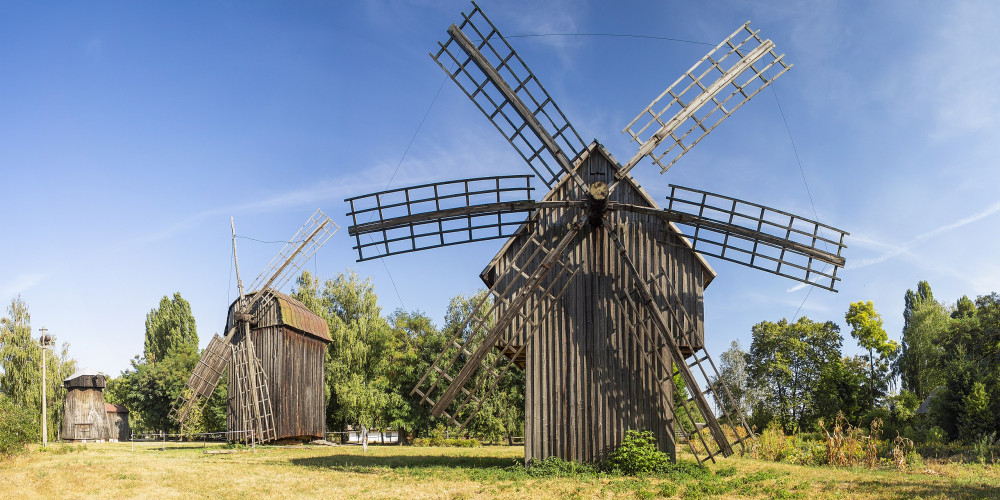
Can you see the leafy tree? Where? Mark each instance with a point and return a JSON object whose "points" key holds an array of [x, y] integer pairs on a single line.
{"points": [[21, 368], [866, 328], [920, 362], [976, 417], [416, 342], [735, 375], [149, 390], [358, 356], [786, 363], [841, 389], [170, 328], [18, 426], [502, 412], [971, 373]]}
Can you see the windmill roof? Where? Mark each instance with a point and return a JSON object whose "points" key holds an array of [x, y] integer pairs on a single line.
{"points": [[597, 148], [294, 314], [80, 373], [113, 408]]}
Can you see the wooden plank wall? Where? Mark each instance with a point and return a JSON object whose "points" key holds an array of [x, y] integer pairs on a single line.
{"points": [[84, 415], [293, 363], [586, 380]]}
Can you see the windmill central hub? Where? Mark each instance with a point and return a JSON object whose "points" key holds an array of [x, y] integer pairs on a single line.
{"points": [[597, 202]]}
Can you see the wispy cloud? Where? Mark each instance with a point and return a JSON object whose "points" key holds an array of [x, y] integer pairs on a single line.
{"points": [[20, 284], [893, 251]]}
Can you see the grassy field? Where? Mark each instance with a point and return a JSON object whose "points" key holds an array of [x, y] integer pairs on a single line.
{"points": [[114, 471]]}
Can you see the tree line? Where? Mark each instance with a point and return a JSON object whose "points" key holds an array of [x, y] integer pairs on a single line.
{"points": [[794, 373], [21, 380], [372, 363], [942, 379]]}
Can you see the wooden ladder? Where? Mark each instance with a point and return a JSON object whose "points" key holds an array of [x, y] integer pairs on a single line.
{"points": [[255, 417]]}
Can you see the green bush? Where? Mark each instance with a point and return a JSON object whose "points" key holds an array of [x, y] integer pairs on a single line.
{"points": [[18, 427], [637, 455]]}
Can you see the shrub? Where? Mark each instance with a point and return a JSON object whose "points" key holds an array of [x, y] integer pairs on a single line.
{"points": [[18, 427], [637, 454], [982, 448], [771, 444], [557, 467], [440, 441]]}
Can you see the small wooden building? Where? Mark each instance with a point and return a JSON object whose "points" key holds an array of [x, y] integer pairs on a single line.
{"points": [[586, 382], [85, 416], [290, 341], [118, 428]]}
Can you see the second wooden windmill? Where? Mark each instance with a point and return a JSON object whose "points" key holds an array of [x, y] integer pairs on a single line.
{"points": [[597, 292], [273, 351]]}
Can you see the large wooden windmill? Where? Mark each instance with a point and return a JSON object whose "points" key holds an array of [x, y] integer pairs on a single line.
{"points": [[259, 319], [597, 292]]}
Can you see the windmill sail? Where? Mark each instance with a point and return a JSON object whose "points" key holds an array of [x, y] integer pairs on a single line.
{"points": [[441, 214], [530, 303], [757, 236], [496, 79], [708, 93]]}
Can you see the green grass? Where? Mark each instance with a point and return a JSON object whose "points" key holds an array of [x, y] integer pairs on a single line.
{"points": [[185, 471]]}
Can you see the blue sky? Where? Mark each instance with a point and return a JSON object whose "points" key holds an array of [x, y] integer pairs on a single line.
{"points": [[131, 132]]}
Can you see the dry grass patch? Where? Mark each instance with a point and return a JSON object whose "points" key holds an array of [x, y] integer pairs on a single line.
{"points": [[112, 470]]}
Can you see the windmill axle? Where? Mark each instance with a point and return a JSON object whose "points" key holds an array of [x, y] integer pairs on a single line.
{"points": [[597, 203]]}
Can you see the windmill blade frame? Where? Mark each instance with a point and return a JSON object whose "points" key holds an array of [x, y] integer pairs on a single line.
{"points": [[479, 70], [539, 263], [696, 110], [758, 236], [438, 214]]}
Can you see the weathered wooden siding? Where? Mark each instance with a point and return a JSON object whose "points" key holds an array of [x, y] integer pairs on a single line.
{"points": [[587, 379], [84, 415], [293, 364], [117, 426]]}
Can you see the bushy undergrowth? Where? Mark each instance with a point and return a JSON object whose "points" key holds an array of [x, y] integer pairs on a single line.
{"points": [[440, 441], [842, 445], [18, 427]]}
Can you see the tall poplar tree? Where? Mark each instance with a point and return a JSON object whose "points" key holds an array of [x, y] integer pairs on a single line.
{"points": [[170, 328]]}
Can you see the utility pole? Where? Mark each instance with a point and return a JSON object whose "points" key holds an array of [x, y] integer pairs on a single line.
{"points": [[44, 340]]}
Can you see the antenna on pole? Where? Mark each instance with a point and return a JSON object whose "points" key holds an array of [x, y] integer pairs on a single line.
{"points": [[236, 260]]}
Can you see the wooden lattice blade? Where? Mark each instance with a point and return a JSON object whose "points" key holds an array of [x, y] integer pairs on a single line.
{"points": [[203, 379], [520, 284], [316, 231], [441, 214], [754, 235], [486, 68], [662, 337], [708, 93]]}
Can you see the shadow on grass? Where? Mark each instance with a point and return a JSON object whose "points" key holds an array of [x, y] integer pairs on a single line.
{"points": [[361, 462]]}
